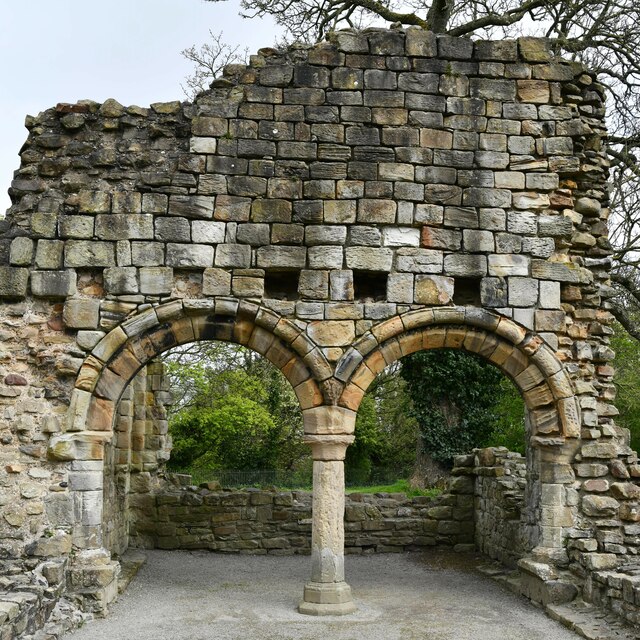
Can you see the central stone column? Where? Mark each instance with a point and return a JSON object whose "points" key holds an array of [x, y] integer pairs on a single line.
{"points": [[327, 593]]}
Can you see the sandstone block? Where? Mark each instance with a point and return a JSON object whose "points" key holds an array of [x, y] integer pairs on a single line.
{"points": [[313, 284], [81, 313], [465, 265], [233, 255], [433, 290], [121, 226], [21, 252], [326, 257], [508, 265], [53, 284], [49, 254], [419, 260], [189, 255], [369, 258], [400, 237], [93, 201], [325, 235], [76, 226], [400, 287], [84, 254], [341, 285], [156, 281], [216, 282], [191, 206], [121, 280], [281, 257], [208, 231]]}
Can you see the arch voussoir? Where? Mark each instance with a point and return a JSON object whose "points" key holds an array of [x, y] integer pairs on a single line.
{"points": [[546, 388]]}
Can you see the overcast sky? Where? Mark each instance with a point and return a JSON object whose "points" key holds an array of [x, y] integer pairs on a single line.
{"points": [[66, 50]]}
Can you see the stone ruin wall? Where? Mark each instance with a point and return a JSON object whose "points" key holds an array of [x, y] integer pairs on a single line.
{"points": [[359, 200], [484, 498]]}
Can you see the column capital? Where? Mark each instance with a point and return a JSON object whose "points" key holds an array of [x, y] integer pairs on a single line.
{"points": [[328, 447], [329, 420]]}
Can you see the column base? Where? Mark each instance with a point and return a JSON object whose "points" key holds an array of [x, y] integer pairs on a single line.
{"points": [[327, 599]]}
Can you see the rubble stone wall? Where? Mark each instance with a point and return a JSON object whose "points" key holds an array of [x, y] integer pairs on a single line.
{"points": [[485, 494], [499, 488]]}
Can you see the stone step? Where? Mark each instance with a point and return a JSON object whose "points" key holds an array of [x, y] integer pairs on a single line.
{"points": [[590, 622], [130, 564]]}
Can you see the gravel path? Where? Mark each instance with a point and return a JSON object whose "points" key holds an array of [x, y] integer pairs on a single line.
{"points": [[201, 596]]}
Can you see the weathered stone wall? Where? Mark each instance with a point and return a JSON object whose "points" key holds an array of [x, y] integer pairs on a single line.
{"points": [[279, 522], [501, 529], [333, 208]]}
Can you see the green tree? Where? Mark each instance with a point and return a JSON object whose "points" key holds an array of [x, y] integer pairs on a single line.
{"points": [[455, 400], [626, 381], [236, 433], [233, 410]]}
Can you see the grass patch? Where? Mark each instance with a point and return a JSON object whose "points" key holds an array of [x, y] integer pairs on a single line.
{"points": [[399, 486]]}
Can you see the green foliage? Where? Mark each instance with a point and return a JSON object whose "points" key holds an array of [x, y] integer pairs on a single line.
{"points": [[236, 433], [385, 432], [626, 380], [234, 410], [509, 429], [456, 400]]}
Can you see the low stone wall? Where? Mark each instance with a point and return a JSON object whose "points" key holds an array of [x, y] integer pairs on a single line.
{"points": [[500, 523], [618, 590], [279, 522]]}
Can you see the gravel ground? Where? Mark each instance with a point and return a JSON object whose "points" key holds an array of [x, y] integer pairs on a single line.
{"points": [[180, 595]]}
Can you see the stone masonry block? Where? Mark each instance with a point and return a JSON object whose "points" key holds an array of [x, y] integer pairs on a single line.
{"points": [[189, 255], [81, 313], [216, 282], [400, 287], [369, 258], [314, 284], [83, 254], [433, 290], [467, 266], [53, 284], [281, 257], [21, 252], [49, 254], [156, 281]]}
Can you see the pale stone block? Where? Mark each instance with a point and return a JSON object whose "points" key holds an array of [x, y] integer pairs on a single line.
{"points": [[189, 255], [550, 294], [208, 231], [119, 280], [202, 145], [53, 284], [369, 259], [332, 333], [156, 281], [21, 251], [314, 284], [216, 282], [400, 237], [400, 287], [508, 265]]}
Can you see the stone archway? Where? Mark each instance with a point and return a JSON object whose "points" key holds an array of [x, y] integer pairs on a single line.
{"points": [[333, 208], [553, 413], [122, 353]]}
